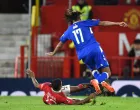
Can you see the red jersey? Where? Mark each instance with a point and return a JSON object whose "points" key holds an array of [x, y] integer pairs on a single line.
{"points": [[53, 97]]}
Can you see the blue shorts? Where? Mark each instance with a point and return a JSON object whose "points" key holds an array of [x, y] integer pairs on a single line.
{"points": [[96, 59]]}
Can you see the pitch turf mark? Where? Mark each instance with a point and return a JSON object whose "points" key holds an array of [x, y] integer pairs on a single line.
{"points": [[93, 102], [5, 102], [103, 103]]}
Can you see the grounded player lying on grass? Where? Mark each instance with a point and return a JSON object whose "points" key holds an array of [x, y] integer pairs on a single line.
{"points": [[55, 93], [87, 48]]}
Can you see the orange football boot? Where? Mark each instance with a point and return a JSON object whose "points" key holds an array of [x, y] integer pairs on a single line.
{"points": [[107, 86], [96, 86]]}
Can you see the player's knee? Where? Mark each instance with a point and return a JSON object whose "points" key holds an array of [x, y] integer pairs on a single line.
{"points": [[109, 73], [107, 70]]}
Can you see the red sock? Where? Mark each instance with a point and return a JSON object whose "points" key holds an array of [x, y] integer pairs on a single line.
{"points": [[81, 86]]}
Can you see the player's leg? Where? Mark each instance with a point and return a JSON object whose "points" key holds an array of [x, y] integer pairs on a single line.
{"points": [[105, 73], [104, 84], [101, 77], [67, 89], [89, 61], [103, 66], [79, 87], [95, 74]]}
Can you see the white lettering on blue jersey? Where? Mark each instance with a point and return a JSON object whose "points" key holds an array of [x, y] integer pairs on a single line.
{"points": [[75, 26], [76, 33], [91, 30]]}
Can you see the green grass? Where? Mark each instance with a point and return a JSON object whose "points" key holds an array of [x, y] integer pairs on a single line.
{"points": [[102, 103]]}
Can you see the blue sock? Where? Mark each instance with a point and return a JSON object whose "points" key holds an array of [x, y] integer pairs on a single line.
{"points": [[102, 77], [95, 73]]}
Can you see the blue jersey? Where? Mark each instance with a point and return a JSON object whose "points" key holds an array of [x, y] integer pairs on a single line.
{"points": [[82, 36]]}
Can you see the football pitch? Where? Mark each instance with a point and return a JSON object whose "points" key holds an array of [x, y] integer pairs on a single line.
{"points": [[102, 103]]}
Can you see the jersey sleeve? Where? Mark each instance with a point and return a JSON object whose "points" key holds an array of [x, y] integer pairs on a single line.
{"points": [[43, 85], [91, 23], [64, 37]]}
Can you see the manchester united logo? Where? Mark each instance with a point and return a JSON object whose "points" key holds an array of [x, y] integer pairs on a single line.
{"points": [[132, 18]]}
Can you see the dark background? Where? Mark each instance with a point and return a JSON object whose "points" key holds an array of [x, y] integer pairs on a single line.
{"points": [[15, 6]]}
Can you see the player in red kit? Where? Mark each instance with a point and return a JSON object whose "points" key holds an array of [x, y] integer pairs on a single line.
{"points": [[55, 93]]}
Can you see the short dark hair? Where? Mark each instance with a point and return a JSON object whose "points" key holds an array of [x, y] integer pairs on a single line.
{"points": [[137, 41], [56, 84], [71, 15]]}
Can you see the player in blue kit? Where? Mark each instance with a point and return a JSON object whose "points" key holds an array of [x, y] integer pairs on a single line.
{"points": [[87, 48]]}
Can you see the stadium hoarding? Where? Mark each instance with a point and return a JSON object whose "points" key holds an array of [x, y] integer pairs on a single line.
{"points": [[24, 87], [130, 88], [129, 14], [121, 42]]}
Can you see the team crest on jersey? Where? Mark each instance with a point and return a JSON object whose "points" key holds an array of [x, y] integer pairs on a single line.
{"points": [[132, 18]]}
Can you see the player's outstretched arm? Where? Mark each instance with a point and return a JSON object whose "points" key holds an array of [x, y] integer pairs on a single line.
{"points": [[57, 48], [109, 23], [32, 76], [86, 100]]}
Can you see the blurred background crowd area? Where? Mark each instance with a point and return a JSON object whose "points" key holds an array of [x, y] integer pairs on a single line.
{"points": [[21, 6], [30, 28]]}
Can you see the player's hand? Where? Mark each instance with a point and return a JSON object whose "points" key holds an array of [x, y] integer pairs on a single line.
{"points": [[49, 54], [93, 95], [123, 24], [30, 73]]}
